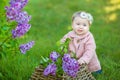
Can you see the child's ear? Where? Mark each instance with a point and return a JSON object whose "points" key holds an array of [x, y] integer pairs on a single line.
{"points": [[89, 23]]}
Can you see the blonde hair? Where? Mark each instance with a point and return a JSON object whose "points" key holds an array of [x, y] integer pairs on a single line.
{"points": [[83, 15]]}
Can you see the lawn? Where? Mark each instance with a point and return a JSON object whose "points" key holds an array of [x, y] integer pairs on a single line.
{"points": [[51, 19]]}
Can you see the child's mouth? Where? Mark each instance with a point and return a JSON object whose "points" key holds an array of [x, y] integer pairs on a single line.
{"points": [[79, 30]]}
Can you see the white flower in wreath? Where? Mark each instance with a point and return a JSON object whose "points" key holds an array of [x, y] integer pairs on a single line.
{"points": [[83, 15], [90, 18]]}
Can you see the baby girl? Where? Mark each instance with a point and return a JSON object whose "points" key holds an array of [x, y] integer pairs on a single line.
{"points": [[82, 42]]}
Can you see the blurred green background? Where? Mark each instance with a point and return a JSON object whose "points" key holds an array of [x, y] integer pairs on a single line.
{"points": [[51, 19]]}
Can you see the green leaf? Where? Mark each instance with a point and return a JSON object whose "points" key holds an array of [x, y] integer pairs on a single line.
{"points": [[44, 59], [58, 43], [1, 75], [66, 50], [2, 55], [5, 28]]}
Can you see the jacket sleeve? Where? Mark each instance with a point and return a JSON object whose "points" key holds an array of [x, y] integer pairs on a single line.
{"points": [[90, 47]]}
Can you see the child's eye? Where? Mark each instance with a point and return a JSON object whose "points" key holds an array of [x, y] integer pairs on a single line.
{"points": [[78, 23], [84, 25]]}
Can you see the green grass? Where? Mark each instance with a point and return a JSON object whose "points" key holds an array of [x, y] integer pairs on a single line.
{"points": [[51, 19]]}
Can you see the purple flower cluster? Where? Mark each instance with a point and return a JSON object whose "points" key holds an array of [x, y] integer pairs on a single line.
{"points": [[25, 47], [11, 13], [21, 29], [23, 17], [15, 13], [70, 65], [54, 56], [51, 69], [15, 9], [20, 3]]}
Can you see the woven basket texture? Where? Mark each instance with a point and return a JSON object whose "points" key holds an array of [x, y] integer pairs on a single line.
{"points": [[83, 74]]}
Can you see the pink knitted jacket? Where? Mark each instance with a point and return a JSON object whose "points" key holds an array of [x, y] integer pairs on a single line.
{"points": [[84, 46]]}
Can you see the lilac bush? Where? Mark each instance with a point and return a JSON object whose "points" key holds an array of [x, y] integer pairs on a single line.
{"points": [[15, 12]]}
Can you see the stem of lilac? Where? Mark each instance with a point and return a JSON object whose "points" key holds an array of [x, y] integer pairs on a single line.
{"points": [[9, 37], [62, 49]]}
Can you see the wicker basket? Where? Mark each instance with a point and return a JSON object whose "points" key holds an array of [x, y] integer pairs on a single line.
{"points": [[38, 75], [83, 74]]}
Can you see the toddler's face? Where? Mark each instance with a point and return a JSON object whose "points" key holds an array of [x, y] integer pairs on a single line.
{"points": [[80, 25]]}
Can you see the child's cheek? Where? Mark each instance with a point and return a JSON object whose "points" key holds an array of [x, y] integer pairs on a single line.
{"points": [[85, 27], [75, 27]]}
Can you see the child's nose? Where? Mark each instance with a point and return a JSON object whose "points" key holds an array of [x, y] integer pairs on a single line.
{"points": [[80, 26]]}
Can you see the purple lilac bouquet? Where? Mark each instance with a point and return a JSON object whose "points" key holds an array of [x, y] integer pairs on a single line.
{"points": [[53, 56], [51, 69], [15, 12], [69, 65]]}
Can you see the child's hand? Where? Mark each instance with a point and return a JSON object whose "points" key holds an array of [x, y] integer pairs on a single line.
{"points": [[80, 61], [62, 41], [71, 55]]}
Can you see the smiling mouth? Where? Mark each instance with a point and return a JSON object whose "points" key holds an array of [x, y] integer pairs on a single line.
{"points": [[79, 30]]}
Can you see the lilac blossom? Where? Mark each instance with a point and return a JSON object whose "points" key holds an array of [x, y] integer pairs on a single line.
{"points": [[17, 6], [70, 65], [51, 69], [66, 57], [20, 30], [15, 9], [23, 17], [11, 13], [23, 2], [54, 56], [25, 47]]}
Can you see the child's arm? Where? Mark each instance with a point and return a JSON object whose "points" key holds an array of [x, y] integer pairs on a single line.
{"points": [[90, 47], [65, 37]]}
